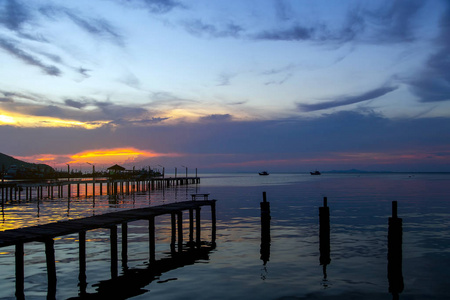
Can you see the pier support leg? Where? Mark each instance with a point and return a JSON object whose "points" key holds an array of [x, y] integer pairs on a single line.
{"points": [[82, 262], [51, 268], [191, 226], [125, 246], [213, 224], [20, 273], [151, 238], [174, 233], [113, 251], [198, 227], [180, 231]]}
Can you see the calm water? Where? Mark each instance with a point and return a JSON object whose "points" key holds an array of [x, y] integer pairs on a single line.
{"points": [[360, 206]]}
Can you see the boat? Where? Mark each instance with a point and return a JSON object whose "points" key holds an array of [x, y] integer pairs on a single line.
{"points": [[263, 173], [315, 173]]}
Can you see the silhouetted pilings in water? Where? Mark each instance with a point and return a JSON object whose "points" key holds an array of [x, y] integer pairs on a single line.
{"points": [[56, 189], [265, 230], [46, 233], [324, 236], [395, 240]]}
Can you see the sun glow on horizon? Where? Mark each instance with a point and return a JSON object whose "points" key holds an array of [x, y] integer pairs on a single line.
{"points": [[98, 156]]}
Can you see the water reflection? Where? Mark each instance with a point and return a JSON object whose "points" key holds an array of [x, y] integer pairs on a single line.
{"points": [[134, 280]]}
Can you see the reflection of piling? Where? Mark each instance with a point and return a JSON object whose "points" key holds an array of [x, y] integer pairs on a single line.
{"points": [[395, 234], [265, 230], [324, 236]]}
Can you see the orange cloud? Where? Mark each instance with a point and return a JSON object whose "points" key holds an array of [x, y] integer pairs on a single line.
{"points": [[115, 155], [97, 156]]}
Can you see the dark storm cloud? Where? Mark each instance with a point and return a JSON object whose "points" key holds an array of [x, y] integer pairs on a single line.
{"points": [[433, 83], [11, 47], [346, 100]]}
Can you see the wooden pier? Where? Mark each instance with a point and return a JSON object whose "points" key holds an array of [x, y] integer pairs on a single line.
{"points": [[46, 234], [23, 190]]}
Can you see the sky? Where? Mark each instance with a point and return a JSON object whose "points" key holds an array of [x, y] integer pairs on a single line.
{"points": [[276, 85]]}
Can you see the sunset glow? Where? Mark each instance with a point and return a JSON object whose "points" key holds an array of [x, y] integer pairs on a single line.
{"points": [[19, 120]]}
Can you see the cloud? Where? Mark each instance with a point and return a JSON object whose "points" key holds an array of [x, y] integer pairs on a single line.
{"points": [[216, 118], [225, 78], [98, 27], [154, 6], [349, 138], [346, 100], [294, 33], [201, 29], [74, 103], [14, 14], [13, 49], [433, 82]]}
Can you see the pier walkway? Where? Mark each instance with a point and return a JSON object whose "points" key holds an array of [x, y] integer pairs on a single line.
{"points": [[28, 190], [47, 232]]}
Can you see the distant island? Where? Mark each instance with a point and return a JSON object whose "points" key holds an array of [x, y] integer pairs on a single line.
{"points": [[10, 165]]}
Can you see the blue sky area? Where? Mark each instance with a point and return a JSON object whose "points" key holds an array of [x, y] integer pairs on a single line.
{"points": [[227, 85]]}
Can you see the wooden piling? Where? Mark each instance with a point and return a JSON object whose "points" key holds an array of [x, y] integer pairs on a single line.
{"points": [[395, 240], [20, 271], [198, 227], [180, 231], [51, 266], [324, 236], [265, 230], [114, 260], [82, 261], [173, 232], [151, 238], [125, 245]]}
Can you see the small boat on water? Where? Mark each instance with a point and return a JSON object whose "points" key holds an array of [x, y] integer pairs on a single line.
{"points": [[315, 173], [263, 173]]}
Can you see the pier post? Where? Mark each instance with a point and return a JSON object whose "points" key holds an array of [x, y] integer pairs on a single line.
{"points": [[78, 189], [395, 240], [51, 267], [213, 223], [69, 192], [151, 238], [324, 236], [114, 262], [174, 233], [82, 262], [265, 230], [101, 188], [180, 231], [198, 229], [191, 226], [20, 272], [125, 245]]}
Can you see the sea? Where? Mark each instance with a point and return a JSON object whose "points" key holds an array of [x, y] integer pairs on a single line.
{"points": [[288, 251]]}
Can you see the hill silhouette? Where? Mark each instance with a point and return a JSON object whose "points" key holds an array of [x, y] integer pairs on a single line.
{"points": [[6, 161]]}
